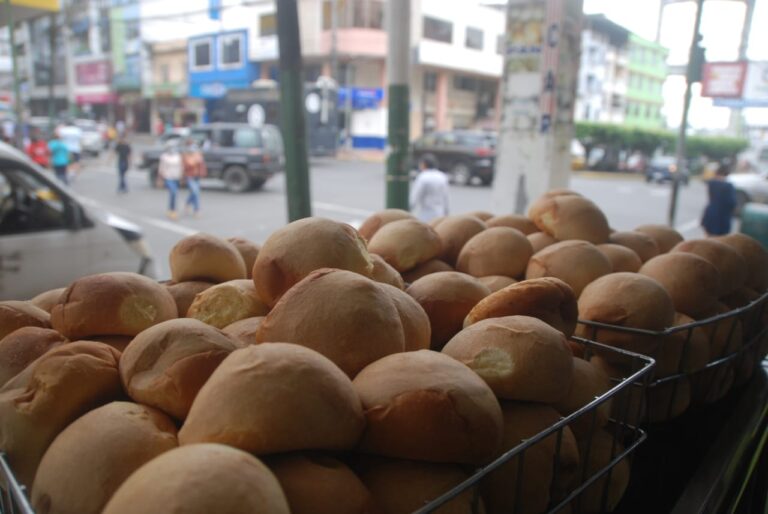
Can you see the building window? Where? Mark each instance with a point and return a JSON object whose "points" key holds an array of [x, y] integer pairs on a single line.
{"points": [[616, 101], [430, 81], [501, 44], [367, 14], [132, 29], [437, 30], [231, 51], [201, 54], [474, 38], [267, 25], [464, 83]]}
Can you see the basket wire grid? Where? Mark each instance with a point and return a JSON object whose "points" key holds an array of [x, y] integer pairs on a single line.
{"points": [[13, 497]]}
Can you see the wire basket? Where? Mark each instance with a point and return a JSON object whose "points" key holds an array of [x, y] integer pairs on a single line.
{"points": [[13, 498]]}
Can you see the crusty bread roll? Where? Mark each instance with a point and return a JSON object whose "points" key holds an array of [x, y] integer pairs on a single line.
{"points": [[500, 489], [726, 335], [730, 264], [711, 385], [548, 299], [447, 297], [386, 274], [184, 294], [225, 303], [570, 217], [95, 454], [422, 270], [316, 484], [21, 347], [540, 240], [684, 351], [375, 221], [299, 248], [405, 244], [243, 332], [588, 383], [668, 400], [166, 365], [48, 299], [427, 406], [518, 221], [622, 258], [206, 258], [416, 326], [642, 244], [495, 251], [345, 316], [691, 281], [15, 315], [200, 479], [436, 221], [454, 232], [276, 397], [483, 215], [602, 450], [496, 282], [248, 251], [577, 263], [665, 237], [404, 486], [59, 387], [755, 256], [119, 304], [628, 404], [521, 358], [117, 342]]}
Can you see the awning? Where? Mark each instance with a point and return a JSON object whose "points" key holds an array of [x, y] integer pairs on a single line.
{"points": [[23, 9]]}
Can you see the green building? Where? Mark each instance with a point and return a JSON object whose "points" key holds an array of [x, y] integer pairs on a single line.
{"points": [[647, 70]]}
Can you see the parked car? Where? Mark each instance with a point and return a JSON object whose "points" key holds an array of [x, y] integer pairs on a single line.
{"points": [[48, 238], [92, 141], [466, 156], [244, 157], [750, 187], [664, 169]]}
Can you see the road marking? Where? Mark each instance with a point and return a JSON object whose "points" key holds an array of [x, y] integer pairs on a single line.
{"points": [[688, 226], [155, 222], [341, 209]]}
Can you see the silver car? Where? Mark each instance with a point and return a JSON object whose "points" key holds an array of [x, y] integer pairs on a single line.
{"points": [[750, 187]]}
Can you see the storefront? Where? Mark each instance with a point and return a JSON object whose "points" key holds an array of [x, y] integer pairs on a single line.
{"points": [[93, 90]]}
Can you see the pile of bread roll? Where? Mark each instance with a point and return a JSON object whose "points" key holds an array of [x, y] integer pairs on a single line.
{"points": [[332, 370]]}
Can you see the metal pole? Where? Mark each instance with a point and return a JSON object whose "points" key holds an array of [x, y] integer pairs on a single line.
{"points": [[51, 74], [292, 111], [680, 146], [398, 63], [334, 40], [17, 105], [348, 105], [735, 122]]}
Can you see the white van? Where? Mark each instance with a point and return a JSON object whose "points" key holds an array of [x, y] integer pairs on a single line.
{"points": [[48, 238]]}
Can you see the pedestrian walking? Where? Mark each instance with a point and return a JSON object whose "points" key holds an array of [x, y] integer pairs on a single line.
{"points": [[722, 202], [429, 194], [59, 157], [123, 152], [171, 170], [72, 135], [37, 149], [194, 170]]}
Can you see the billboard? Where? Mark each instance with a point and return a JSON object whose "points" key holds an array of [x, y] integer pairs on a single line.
{"points": [[723, 79]]}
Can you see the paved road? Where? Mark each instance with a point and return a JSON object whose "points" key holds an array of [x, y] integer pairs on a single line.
{"points": [[346, 191]]}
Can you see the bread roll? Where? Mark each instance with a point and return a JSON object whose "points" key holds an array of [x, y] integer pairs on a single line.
{"points": [[375, 221], [548, 299], [225, 303], [629, 403], [518, 221], [754, 254], [48, 299], [711, 385], [57, 388], [405, 244], [726, 335], [691, 281], [422, 270], [668, 400], [540, 240], [416, 326], [665, 237], [482, 215], [386, 274], [243, 332], [602, 450], [120, 304], [495, 251], [21, 347], [184, 294], [200, 479], [447, 298], [642, 244], [496, 282], [577, 263], [436, 221], [119, 343], [299, 248], [345, 316], [684, 351], [276, 397], [15, 315], [521, 358], [730, 264], [206, 258], [622, 258], [427, 406], [588, 383], [248, 251], [570, 217], [454, 232], [108, 443], [315, 484], [166, 365]]}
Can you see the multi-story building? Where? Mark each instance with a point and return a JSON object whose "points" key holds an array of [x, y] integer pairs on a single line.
{"points": [[167, 86], [647, 73]]}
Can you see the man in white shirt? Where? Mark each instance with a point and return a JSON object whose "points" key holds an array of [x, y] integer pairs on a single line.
{"points": [[429, 193]]}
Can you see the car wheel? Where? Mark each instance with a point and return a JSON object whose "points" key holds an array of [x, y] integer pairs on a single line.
{"points": [[237, 179], [461, 175], [257, 183], [742, 199]]}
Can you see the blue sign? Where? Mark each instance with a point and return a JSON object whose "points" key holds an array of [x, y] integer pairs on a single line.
{"points": [[214, 9], [362, 97], [738, 103]]}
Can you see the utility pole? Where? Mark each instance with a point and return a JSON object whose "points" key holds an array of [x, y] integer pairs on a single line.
{"points": [[735, 122], [681, 134], [51, 73], [292, 111], [398, 64], [334, 41], [17, 105]]}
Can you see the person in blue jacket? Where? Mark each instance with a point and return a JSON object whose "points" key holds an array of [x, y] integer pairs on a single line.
{"points": [[59, 157], [722, 201]]}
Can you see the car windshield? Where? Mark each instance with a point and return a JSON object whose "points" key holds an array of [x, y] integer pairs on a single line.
{"points": [[246, 138], [477, 140]]}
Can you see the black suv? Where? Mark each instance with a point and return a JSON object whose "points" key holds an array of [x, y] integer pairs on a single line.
{"points": [[466, 156], [244, 157]]}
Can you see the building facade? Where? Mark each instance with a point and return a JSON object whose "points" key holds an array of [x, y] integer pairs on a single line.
{"points": [[647, 73], [167, 86]]}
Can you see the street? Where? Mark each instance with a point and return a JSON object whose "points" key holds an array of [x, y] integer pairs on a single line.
{"points": [[347, 191]]}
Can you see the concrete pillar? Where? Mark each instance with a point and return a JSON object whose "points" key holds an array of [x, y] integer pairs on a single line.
{"points": [[441, 101]]}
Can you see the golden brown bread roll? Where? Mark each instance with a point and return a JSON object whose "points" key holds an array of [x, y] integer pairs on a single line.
{"points": [[120, 304], [588, 383], [422, 270], [602, 450], [447, 297], [628, 404], [166, 365], [206, 258], [416, 326], [668, 400], [427, 406], [276, 397], [405, 244], [577, 263], [248, 251], [200, 479], [711, 385], [730, 264], [570, 217], [482, 215], [48, 299], [21, 347], [642, 244], [345, 316], [519, 357], [684, 351], [518, 221], [454, 232], [755, 256], [225, 303], [665, 237], [548, 299], [436, 221], [691, 281], [15, 315], [726, 335], [386, 274], [117, 342], [243, 332], [375, 221], [57, 388], [540, 240], [496, 282], [495, 251], [110, 443], [286, 257], [622, 258], [184, 294]]}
